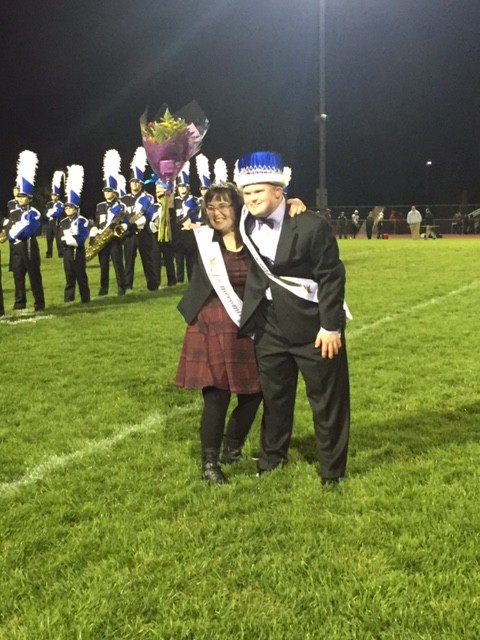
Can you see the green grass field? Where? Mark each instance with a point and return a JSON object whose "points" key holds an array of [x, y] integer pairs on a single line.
{"points": [[107, 531]]}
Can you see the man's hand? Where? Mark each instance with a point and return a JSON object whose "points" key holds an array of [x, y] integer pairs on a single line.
{"points": [[329, 343], [296, 207]]}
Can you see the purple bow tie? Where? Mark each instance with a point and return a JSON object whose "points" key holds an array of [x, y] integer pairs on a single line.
{"points": [[265, 221]]}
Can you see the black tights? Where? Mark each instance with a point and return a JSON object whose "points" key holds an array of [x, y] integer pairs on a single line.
{"points": [[215, 407]]}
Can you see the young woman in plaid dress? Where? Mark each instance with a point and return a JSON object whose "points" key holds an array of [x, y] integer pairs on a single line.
{"points": [[214, 359]]}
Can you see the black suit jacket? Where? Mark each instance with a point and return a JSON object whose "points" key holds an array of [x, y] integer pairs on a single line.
{"points": [[200, 287], [307, 248]]}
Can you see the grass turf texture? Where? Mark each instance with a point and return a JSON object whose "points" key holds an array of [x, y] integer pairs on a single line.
{"points": [[108, 533]]}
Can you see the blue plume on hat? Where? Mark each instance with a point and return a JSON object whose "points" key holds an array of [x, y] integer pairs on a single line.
{"points": [[122, 185], [138, 164], [111, 169], [203, 170], [58, 177], [74, 185], [184, 175], [260, 167], [26, 170]]}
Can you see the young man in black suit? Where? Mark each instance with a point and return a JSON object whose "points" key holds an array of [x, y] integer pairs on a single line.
{"points": [[294, 306]]}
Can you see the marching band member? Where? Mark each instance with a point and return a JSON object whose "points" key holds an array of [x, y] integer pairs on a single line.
{"points": [[110, 213], [11, 205], [186, 207], [161, 224], [54, 214], [21, 230], [139, 235], [74, 232]]}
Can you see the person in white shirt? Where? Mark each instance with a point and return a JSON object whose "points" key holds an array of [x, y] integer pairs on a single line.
{"points": [[414, 220]]}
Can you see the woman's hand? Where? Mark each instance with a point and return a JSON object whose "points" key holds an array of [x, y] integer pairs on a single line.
{"points": [[296, 207]]}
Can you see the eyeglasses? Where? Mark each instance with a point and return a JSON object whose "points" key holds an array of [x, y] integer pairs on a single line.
{"points": [[223, 208]]}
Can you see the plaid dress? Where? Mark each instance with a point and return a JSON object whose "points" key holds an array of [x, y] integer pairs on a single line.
{"points": [[212, 354]]}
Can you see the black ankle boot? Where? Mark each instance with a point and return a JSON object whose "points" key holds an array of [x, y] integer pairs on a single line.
{"points": [[211, 471], [231, 451]]}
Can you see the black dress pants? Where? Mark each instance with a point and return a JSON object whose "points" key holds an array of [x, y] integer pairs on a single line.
{"points": [[53, 233], [75, 272], [114, 250], [25, 257], [147, 247], [166, 251], [130, 245], [327, 389]]}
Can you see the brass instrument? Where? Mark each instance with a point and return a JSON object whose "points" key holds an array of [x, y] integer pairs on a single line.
{"points": [[100, 241], [3, 236], [113, 230], [132, 219]]}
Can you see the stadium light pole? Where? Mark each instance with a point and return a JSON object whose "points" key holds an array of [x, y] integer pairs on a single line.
{"points": [[428, 164], [322, 199]]}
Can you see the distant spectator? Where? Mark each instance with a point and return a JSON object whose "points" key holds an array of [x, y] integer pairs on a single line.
{"points": [[369, 225], [355, 224], [414, 220], [342, 225], [429, 232], [457, 222], [378, 225]]}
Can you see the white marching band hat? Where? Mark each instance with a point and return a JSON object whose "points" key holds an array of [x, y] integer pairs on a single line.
{"points": [[111, 169], [203, 171], [74, 185], [138, 164], [26, 169], [58, 177]]}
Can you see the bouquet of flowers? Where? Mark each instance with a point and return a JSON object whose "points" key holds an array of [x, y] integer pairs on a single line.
{"points": [[170, 140]]}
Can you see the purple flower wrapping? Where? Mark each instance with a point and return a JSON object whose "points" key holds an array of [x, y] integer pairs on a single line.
{"points": [[167, 158]]}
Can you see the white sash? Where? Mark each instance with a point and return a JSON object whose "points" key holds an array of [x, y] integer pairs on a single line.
{"points": [[212, 260], [301, 287]]}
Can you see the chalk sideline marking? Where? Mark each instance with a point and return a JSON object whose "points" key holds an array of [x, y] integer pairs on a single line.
{"points": [[40, 471], [19, 320], [353, 333]]}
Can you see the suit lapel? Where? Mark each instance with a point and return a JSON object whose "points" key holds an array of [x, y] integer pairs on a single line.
{"points": [[289, 228]]}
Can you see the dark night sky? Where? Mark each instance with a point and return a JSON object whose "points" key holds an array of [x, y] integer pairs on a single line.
{"points": [[402, 87]]}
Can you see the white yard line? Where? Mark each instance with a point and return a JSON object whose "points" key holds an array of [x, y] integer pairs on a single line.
{"points": [[19, 320], [353, 332], [40, 471]]}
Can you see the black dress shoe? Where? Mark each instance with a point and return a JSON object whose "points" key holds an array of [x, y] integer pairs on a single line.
{"points": [[212, 473], [231, 451]]}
